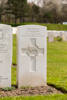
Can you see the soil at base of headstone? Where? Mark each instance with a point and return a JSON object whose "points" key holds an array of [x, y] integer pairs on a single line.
{"points": [[30, 91]]}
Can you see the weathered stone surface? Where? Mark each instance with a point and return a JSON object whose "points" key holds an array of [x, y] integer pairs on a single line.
{"points": [[50, 37], [64, 36], [5, 55], [32, 55]]}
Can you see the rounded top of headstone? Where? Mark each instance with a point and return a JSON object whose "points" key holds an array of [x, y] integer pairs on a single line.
{"points": [[5, 26], [32, 26], [32, 30]]}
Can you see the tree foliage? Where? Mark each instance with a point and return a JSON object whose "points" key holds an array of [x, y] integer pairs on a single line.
{"points": [[17, 7], [50, 12]]}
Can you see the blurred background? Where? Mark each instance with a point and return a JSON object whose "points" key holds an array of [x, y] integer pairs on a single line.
{"points": [[42, 11]]}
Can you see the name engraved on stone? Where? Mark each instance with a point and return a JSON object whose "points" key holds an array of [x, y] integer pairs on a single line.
{"points": [[35, 31], [3, 42], [2, 35], [33, 52]]}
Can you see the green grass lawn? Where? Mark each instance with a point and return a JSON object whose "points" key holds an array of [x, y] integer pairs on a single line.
{"points": [[59, 27], [14, 49], [50, 97], [56, 70], [57, 64]]}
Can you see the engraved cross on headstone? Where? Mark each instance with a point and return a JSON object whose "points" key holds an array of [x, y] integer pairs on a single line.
{"points": [[33, 52]]}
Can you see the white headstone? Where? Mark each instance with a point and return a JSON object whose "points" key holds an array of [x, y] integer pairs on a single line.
{"points": [[32, 55], [5, 55], [50, 37], [64, 36]]}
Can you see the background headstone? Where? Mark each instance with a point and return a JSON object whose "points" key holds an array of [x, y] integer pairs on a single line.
{"points": [[65, 36], [5, 55], [32, 55], [50, 37]]}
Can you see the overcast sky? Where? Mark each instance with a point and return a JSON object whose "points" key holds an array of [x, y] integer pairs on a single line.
{"points": [[40, 4], [32, 0]]}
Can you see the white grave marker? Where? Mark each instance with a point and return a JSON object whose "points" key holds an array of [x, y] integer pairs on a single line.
{"points": [[64, 36], [32, 55], [5, 55], [50, 37]]}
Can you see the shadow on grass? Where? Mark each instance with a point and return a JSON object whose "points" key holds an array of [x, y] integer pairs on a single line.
{"points": [[58, 88], [14, 64]]}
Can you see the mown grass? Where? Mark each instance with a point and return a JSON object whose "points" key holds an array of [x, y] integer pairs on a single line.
{"points": [[13, 76], [50, 97], [14, 50], [57, 64], [58, 27]]}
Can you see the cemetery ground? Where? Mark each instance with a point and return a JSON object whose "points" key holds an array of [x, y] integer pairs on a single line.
{"points": [[56, 73]]}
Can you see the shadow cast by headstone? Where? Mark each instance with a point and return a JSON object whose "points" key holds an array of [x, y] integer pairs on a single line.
{"points": [[15, 86], [58, 88]]}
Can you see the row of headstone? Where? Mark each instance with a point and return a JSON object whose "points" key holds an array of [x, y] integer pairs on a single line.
{"points": [[53, 34], [31, 55]]}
